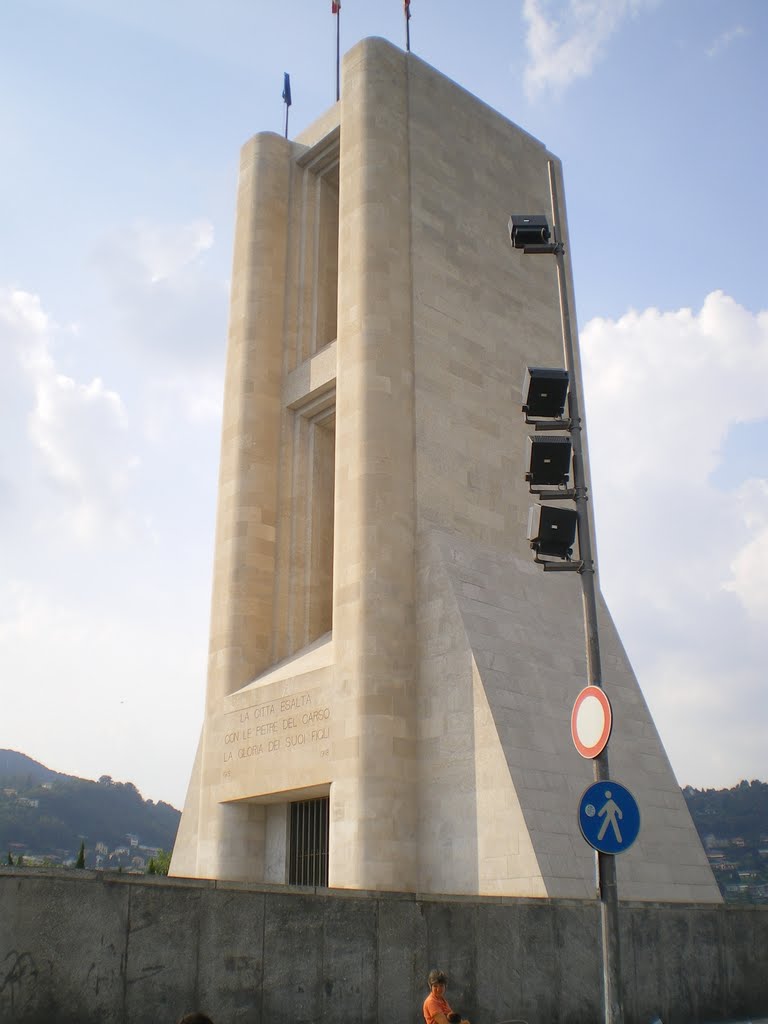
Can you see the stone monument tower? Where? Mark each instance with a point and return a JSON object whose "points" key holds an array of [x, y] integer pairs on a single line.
{"points": [[391, 676]]}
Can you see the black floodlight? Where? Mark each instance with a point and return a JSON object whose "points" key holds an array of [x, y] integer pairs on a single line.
{"points": [[528, 229], [549, 461], [544, 392], [552, 530]]}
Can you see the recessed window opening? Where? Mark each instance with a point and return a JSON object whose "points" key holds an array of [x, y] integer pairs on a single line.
{"points": [[320, 514], [326, 235], [308, 842], [319, 275]]}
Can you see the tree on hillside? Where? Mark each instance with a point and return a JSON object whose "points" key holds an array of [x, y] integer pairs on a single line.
{"points": [[70, 807], [80, 862], [739, 811], [159, 864], [10, 859]]}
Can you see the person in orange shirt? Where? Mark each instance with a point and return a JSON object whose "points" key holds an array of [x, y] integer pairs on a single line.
{"points": [[436, 1008]]}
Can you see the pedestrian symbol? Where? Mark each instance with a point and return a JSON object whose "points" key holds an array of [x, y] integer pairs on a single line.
{"points": [[609, 817], [612, 811]]}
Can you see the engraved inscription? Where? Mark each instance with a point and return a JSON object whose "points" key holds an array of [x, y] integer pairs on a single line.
{"points": [[285, 724]]}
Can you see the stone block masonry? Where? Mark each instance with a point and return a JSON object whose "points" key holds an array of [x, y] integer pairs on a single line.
{"points": [[382, 645], [81, 948]]}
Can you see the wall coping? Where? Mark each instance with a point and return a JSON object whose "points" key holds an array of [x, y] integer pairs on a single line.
{"points": [[263, 888]]}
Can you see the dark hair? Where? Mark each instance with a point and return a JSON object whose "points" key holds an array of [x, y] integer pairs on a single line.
{"points": [[436, 977], [195, 1018]]}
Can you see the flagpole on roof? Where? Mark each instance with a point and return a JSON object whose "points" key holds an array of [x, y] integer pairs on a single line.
{"points": [[286, 97], [407, 12], [335, 9]]}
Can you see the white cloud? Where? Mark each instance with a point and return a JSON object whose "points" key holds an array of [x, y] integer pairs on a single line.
{"points": [[566, 38], [197, 396], [699, 373], [163, 251], [21, 313], [115, 622], [163, 299], [96, 681], [683, 561], [725, 39], [749, 567], [76, 432], [710, 717]]}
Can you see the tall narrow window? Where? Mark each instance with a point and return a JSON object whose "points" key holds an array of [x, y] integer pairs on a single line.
{"points": [[326, 258], [308, 843], [320, 588], [318, 272]]}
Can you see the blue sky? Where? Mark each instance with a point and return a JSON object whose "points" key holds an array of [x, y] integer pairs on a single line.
{"points": [[121, 127]]}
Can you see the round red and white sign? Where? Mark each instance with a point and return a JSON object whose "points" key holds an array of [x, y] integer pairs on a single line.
{"points": [[591, 721]]}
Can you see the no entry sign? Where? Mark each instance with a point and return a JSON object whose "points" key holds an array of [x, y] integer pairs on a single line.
{"points": [[591, 720]]}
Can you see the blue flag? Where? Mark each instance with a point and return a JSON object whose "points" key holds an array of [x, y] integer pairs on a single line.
{"points": [[287, 88]]}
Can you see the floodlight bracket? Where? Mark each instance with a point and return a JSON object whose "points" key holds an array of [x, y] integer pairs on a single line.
{"points": [[559, 566], [569, 494], [549, 424], [545, 249]]}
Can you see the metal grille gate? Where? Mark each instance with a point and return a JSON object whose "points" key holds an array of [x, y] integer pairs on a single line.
{"points": [[308, 843]]}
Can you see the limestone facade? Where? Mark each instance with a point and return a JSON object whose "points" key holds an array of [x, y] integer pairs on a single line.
{"points": [[380, 634]]}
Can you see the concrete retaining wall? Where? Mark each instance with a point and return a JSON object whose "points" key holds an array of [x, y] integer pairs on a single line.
{"points": [[83, 947]]}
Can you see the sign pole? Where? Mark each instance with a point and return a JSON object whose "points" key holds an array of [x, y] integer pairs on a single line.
{"points": [[606, 863]]}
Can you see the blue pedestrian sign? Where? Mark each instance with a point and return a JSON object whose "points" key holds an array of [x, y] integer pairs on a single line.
{"points": [[609, 817]]}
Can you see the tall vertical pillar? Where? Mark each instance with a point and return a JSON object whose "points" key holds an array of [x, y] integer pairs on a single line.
{"points": [[244, 562], [373, 804], [229, 839]]}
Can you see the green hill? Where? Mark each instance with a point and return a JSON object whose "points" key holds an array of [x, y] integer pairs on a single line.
{"points": [[19, 770], [740, 812], [733, 826], [46, 814]]}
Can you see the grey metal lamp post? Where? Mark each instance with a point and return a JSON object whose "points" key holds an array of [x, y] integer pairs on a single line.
{"points": [[531, 234]]}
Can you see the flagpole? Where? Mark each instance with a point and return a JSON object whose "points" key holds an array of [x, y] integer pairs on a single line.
{"points": [[407, 10], [286, 98], [338, 60], [336, 12]]}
